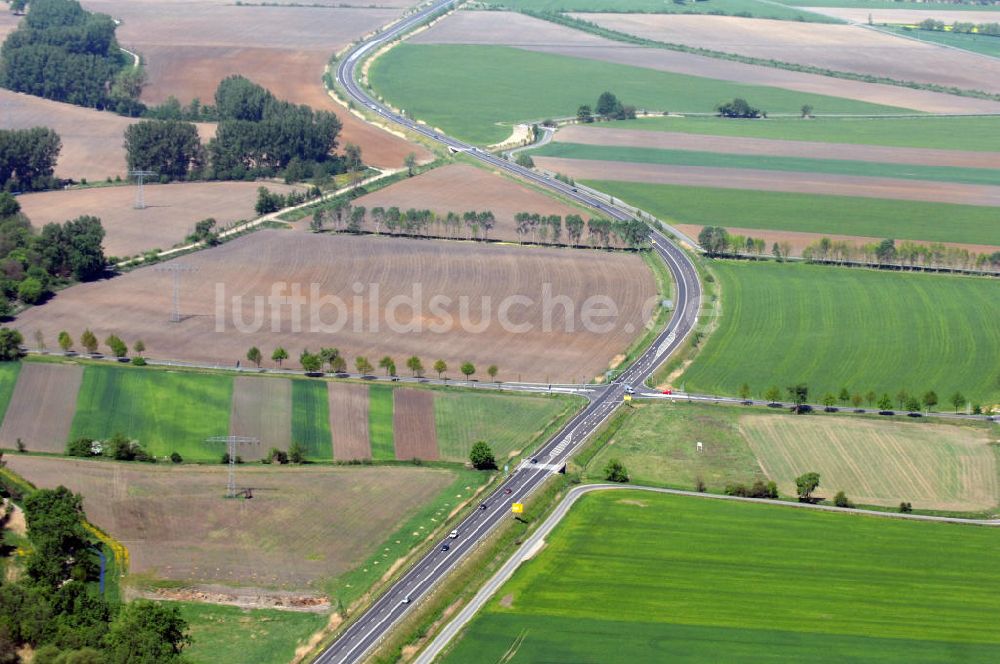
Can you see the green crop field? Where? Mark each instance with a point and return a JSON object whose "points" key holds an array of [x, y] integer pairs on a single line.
{"points": [[683, 579], [770, 163], [474, 91], [893, 4], [985, 44], [782, 324], [259, 636], [947, 133], [165, 411], [380, 422], [311, 418], [9, 372], [508, 423], [730, 7], [813, 213], [656, 442]]}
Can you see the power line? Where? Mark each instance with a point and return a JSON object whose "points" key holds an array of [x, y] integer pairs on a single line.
{"points": [[176, 269], [139, 174], [232, 442]]}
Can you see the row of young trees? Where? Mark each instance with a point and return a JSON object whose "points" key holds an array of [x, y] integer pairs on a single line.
{"points": [[258, 135], [904, 399], [991, 29], [476, 225], [55, 606], [332, 359], [32, 263], [28, 159], [61, 51]]}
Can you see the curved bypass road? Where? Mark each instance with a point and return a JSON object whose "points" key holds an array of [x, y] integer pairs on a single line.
{"points": [[393, 605]]}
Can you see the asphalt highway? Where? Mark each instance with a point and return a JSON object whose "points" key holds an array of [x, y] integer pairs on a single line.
{"points": [[369, 627]]}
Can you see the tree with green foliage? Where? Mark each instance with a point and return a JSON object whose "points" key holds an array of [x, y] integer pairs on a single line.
{"points": [[274, 455], [829, 399], [913, 404], [279, 355], [841, 500], [28, 160], [468, 369], [415, 366], [176, 458], [870, 398], [170, 148], [744, 391], [885, 402], [738, 108], [930, 399], [958, 400], [799, 395], [615, 471], [311, 362], [89, 341], [805, 484], [440, 366], [65, 341], [410, 161], [773, 394], [254, 355], [338, 364], [73, 249], [31, 291], [524, 160], [905, 507], [481, 456], [492, 371], [146, 631], [363, 366], [60, 547], [10, 345], [584, 115], [844, 396], [118, 347], [296, 453], [139, 347]]}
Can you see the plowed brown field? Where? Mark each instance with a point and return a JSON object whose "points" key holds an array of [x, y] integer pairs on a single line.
{"points": [[461, 187], [42, 407], [532, 34], [262, 409], [668, 140], [761, 180], [479, 323], [302, 526], [414, 431], [285, 49], [840, 47], [349, 421], [171, 213]]}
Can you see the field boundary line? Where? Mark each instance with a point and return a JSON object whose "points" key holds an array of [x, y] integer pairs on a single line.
{"points": [[530, 545]]}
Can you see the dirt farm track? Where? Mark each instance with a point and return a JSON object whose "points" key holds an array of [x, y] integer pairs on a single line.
{"points": [[364, 274]]}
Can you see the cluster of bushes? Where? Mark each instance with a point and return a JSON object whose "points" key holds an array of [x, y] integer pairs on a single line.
{"points": [[608, 108], [32, 263], [61, 51], [119, 447], [55, 608], [717, 241], [28, 159], [257, 136], [739, 108], [269, 201], [759, 489]]}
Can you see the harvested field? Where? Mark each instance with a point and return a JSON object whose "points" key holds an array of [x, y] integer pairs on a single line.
{"points": [[304, 525], [171, 213], [462, 187], [285, 49], [861, 14], [413, 424], [41, 409], [839, 47], [759, 180], [800, 240], [476, 278], [349, 421], [668, 140], [934, 466], [262, 408], [524, 32]]}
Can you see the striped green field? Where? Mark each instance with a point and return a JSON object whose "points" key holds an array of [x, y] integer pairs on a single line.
{"points": [[380, 422], [769, 163], [165, 411], [311, 419], [812, 213], [754, 8], [682, 579], [507, 422], [467, 90], [985, 44], [782, 324], [977, 134], [9, 372]]}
